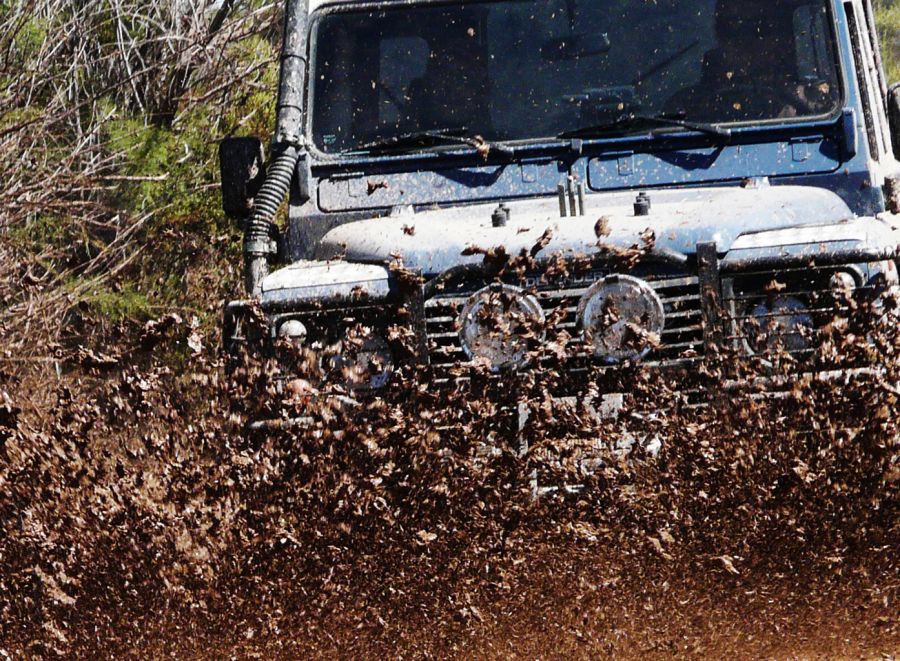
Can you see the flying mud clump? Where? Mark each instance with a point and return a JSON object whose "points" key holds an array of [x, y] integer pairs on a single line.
{"points": [[173, 506]]}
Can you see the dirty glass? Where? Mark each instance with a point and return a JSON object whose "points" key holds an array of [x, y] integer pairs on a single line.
{"points": [[521, 70]]}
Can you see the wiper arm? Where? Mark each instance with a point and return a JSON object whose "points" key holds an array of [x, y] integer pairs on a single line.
{"points": [[633, 122], [700, 127], [433, 137], [417, 139]]}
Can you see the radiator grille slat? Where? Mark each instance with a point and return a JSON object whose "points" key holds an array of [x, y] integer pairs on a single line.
{"points": [[682, 335], [753, 327]]}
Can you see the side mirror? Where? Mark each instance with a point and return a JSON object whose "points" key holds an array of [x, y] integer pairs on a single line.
{"points": [[893, 113], [243, 168]]}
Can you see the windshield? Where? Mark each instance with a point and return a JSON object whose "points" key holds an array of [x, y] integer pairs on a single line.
{"points": [[529, 69]]}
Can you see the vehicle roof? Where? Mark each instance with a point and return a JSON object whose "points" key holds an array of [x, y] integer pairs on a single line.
{"points": [[315, 4]]}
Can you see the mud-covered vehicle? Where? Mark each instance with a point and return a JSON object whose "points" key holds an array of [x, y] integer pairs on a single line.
{"points": [[662, 180]]}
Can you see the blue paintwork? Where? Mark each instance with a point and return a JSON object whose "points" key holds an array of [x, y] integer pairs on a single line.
{"points": [[778, 150], [713, 164], [831, 153]]}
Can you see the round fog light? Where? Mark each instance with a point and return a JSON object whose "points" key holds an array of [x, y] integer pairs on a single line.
{"points": [[621, 317], [293, 330], [496, 323]]}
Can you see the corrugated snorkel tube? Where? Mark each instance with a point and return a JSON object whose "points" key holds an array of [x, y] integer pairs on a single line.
{"points": [[288, 147]]}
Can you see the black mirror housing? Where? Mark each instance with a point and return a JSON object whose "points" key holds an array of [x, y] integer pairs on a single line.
{"points": [[893, 112], [243, 168]]}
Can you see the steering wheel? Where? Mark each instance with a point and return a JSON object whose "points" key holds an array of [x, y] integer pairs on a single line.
{"points": [[391, 97]]}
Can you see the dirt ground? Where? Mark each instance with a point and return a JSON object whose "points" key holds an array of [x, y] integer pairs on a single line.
{"points": [[574, 602]]}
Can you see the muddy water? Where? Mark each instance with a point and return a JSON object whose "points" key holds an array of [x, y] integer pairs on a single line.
{"points": [[139, 518]]}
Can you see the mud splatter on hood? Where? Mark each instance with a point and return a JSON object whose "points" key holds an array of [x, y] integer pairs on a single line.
{"points": [[433, 240]]}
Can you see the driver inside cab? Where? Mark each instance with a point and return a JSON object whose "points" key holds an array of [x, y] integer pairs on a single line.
{"points": [[452, 92], [752, 74]]}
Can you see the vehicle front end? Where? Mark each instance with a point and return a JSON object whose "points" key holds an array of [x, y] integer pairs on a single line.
{"points": [[496, 185]]}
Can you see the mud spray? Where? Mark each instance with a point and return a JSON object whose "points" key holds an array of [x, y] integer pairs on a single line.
{"points": [[141, 518]]}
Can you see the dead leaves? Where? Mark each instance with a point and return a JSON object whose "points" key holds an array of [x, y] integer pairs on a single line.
{"points": [[405, 277], [658, 547], [195, 338], [9, 417], [156, 329], [94, 360], [373, 186], [482, 146], [727, 563], [542, 242], [624, 259], [426, 537], [51, 585], [601, 228]]}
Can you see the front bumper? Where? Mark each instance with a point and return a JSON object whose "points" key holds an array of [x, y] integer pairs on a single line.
{"points": [[706, 298]]}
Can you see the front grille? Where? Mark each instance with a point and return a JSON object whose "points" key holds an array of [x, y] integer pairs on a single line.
{"points": [[682, 336]]}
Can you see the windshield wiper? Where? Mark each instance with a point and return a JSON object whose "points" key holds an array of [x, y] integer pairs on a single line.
{"points": [[633, 122], [435, 137]]}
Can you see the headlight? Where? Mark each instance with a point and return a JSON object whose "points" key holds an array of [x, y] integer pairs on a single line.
{"points": [[842, 283], [364, 360], [621, 317], [293, 330], [782, 322], [496, 323]]}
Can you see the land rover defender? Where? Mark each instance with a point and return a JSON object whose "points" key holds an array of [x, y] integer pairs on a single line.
{"points": [[659, 179]]}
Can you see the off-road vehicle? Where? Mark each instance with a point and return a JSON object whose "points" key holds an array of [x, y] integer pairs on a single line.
{"points": [[660, 179]]}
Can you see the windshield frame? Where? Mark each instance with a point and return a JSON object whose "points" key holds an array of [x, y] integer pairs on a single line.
{"points": [[659, 135]]}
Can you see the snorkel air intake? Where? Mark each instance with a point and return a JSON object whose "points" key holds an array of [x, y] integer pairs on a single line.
{"points": [[288, 147]]}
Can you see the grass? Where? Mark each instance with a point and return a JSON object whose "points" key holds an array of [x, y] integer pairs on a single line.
{"points": [[887, 17], [190, 252]]}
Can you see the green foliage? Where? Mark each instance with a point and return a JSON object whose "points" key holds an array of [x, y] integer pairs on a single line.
{"points": [[167, 168], [887, 17], [116, 306], [29, 39], [173, 170], [113, 161], [171, 173], [47, 231]]}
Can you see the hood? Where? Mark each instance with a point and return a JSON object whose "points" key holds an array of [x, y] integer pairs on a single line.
{"points": [[434, 240]]}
